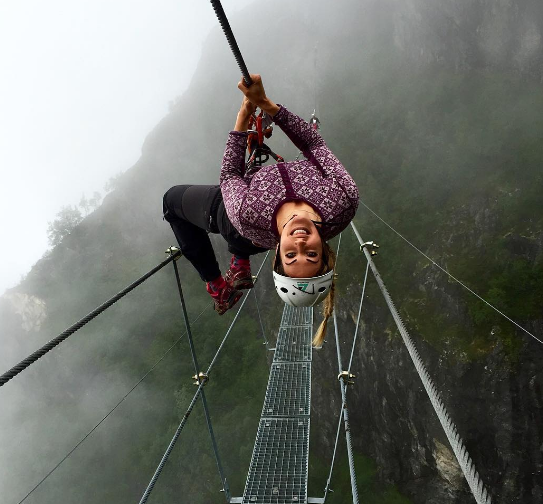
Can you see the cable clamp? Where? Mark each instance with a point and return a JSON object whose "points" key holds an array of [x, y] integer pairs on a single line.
{"points": [[371, 246], [174, 251], [346, 377], [200, 377]]}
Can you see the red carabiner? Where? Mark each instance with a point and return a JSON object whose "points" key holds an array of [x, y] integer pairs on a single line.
{"points": [[259, 129]]}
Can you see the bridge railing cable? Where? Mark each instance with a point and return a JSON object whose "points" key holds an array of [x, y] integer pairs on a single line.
{"points": [[345, 410], [110, 412], [329, 480], [224, 481], [15, 370], [490, 305], [464, 460], [203, 381]]}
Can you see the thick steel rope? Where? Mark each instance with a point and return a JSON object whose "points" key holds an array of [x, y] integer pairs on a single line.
{"points": [[166, 455], [464, 460], [225, 25], [344, 413], [224, 481], [15, 370], [106, 416], [343, 386], [452, 276], [327, 488]]}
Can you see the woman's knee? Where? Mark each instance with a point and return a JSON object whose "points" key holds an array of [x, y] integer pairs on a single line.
{"points": [[173, 194]]}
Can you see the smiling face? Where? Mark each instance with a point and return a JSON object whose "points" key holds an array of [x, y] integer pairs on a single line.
{"points": [[301, 248]]}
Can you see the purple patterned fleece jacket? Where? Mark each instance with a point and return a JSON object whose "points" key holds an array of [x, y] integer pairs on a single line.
{"points": [[252, 200]]}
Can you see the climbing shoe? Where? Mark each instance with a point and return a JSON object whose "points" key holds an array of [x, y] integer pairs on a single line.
{"points": [[239, 275], [224, 296]]}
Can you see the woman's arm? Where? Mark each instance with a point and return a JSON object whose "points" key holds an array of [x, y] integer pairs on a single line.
{"points": [[300, 132], [246, 110], [233, 185]]}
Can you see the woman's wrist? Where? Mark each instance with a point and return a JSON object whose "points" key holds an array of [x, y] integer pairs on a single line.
{"points": [[242, 121], [269, 107]]}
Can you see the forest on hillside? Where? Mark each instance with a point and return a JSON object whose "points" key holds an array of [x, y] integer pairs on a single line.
{"points": [[448, 154]]}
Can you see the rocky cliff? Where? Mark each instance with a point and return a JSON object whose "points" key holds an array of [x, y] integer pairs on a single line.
{"points": [[435, 109]]}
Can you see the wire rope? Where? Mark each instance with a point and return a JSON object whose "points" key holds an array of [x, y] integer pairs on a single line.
{"points": [[225, 25], [105, 417], [328, 482], [358, 317], [343, 386], [451, 275], [15, 370], [464, 460], [224, 481], [180, 427]]}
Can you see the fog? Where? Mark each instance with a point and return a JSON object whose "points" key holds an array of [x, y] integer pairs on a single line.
{"points": [[82, 84]]}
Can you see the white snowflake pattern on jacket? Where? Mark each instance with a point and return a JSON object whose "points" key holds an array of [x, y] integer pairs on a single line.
{"points": [[252, 200]]}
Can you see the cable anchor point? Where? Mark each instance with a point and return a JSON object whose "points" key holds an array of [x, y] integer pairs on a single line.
{"points": [[200, 377], [348, 378], [173, 251], [371, 246]]}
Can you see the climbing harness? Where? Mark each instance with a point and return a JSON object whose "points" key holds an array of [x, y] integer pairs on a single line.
{"points": [[260, 127]]}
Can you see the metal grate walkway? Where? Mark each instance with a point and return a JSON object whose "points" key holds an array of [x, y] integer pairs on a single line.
{"points": [[278, 470]]}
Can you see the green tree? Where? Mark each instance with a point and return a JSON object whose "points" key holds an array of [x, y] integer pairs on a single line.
{"points": [[67, 219]]}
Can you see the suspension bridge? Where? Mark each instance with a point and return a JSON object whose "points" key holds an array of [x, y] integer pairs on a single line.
{"points": [[278, 470]]}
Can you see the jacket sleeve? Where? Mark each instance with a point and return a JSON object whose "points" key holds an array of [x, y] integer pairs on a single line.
{"points": [[308, 140], [233, 186]]}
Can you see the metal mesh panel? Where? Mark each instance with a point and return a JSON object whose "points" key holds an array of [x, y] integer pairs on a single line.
{"points": [[289, 390], [278, 472], [297, 316], [293, 344]]}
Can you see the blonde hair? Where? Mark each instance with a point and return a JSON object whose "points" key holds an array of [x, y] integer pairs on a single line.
{"points": [[328, 306], [329, 262]]}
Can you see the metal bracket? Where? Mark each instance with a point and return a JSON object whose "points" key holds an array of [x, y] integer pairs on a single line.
{"points": [[371, 246], [346, 377], [200, 377], [173, 251]]}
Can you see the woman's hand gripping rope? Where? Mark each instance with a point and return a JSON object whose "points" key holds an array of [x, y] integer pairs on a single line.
{"points": [[257, 95]]}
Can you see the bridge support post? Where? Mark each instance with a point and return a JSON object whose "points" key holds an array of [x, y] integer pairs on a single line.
{"points": [[225, 487]]}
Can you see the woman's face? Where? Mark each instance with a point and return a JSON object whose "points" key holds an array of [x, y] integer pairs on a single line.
{"points": [[301, 248]]}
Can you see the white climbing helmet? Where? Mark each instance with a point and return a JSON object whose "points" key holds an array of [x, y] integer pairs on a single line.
{"points": [[303, 291]]}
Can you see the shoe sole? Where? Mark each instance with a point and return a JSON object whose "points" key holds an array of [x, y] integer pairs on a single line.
{"points": [[243, 284], [236, 295]]}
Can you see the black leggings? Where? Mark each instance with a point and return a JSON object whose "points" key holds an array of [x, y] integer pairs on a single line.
{"points": [[193, 211]]}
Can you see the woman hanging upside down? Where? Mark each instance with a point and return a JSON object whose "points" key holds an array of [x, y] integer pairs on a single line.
{"points": [[293, 207]]}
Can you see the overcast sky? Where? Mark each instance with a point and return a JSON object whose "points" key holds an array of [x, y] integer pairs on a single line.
{"points": [[82, 83]]}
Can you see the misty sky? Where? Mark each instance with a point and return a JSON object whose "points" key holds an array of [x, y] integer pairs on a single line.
{"points": [[83, 82]]}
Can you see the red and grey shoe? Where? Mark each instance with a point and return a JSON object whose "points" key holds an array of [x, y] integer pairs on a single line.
{"points": [[224, 295], [239, 275]]}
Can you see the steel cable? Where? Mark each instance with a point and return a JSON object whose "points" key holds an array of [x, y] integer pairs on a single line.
{"points": [[451, 275], [464, 460], [225, 25], [15, 370], [105, 417], [224, 481], [343, 387], [177, 433]]}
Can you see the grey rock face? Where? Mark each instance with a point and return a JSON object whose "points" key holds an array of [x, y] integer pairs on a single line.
{"points": [[500, 34]]}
